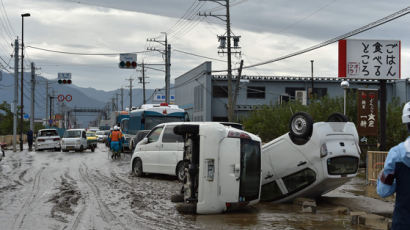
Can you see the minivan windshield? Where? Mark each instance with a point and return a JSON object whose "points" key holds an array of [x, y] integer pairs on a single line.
{"points": [[72, 133], [250, 170], [100, 133]]}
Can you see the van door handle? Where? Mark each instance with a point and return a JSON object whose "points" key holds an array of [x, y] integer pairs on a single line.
{"points": [[302, 163]]}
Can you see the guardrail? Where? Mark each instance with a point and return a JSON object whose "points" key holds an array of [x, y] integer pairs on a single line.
{"points": [[375, 163]]}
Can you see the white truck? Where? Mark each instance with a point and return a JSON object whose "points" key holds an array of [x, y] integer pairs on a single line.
{"points": [[223, 168]]}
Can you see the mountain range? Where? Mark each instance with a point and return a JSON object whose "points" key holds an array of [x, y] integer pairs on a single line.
{"points": [[81, 97]]}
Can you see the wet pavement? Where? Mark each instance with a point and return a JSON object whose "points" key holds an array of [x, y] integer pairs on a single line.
{"points": [[55, 190]]}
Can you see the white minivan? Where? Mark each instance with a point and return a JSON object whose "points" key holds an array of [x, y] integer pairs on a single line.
{"points": [[161, 151], [311, 160], [74, 139]]}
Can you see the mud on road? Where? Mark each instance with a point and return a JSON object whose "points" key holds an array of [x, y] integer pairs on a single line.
{"points": [[55, 190]]}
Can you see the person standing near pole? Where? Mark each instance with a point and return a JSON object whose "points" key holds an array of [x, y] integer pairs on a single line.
{"points": [[395, 178], [30, 140]]}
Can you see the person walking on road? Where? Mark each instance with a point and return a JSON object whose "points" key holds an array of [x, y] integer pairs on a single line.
{"points": [[395, 178], [30, 140], [116, 139]]}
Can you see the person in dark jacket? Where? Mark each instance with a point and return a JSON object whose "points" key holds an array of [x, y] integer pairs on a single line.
{"points": [[30, 140], [395, 178]]}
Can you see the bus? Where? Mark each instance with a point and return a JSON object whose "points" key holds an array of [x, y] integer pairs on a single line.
{"points": [[146, 117]]}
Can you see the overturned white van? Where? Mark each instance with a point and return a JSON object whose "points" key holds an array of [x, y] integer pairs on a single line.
{"points": [[223, 168], [311, 160]]}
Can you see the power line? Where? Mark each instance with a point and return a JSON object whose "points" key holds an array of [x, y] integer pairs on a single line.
{"points": [[197, 55], [362, 29], [85, 54], [7, 17]]}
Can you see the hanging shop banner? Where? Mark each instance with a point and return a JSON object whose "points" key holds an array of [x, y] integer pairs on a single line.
{"points": [[367, 112], [369, 59]]}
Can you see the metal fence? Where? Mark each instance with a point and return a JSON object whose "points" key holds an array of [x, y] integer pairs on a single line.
{"points": [[375, 163]]}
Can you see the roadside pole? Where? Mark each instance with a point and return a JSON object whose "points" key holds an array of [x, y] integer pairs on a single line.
{"points": [[33, 83], [16, 82]]}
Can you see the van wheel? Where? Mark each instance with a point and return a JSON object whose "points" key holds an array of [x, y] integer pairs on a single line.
{"points": [[185, 208], [180, 171], [92, 149], [81, 148], [337, 117], [177, 198], [301, 125], [137, 168]]}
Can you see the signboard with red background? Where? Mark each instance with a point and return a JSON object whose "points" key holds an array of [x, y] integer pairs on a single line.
{"points": [[367, 112]]}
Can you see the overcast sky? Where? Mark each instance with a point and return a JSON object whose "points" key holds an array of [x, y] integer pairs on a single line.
{"points": [[268, 29]]}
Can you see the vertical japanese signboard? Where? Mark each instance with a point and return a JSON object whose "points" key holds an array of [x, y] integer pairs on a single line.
{"points": [[370, 59], [367, 111]]}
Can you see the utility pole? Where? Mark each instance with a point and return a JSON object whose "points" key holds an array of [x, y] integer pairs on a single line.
{"points": [[122, 99], [167, 53], [226, 18], [51, 105], [113, 104], [142, 81], [47, 117], [168, 75], [238, 80], [15, 101], [116, 100], [312, 94], [130, 79], [33, 83]]}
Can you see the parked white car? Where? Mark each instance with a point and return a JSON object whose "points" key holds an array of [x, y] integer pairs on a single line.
{"points": [[74, 139], [161, 151], [311, 160], [47, 139]]}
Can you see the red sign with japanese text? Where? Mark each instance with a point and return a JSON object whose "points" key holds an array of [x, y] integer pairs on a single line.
{"points": [[367, 112]]}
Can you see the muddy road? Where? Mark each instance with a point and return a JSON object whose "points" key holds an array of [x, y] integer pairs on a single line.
{"points": [[55, 190]]}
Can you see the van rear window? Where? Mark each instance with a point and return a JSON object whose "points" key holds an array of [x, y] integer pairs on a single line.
{"points": [[342, 165]]}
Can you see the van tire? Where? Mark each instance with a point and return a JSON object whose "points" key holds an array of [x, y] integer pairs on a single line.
{"points": [[177, 198], [337, 117], [180, 171], [81, 149], [184, 129], [186, 208], [137, 168], [300, 128]]}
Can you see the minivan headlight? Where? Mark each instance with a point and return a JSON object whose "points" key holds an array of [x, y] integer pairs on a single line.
{"points": [[323, 151]]}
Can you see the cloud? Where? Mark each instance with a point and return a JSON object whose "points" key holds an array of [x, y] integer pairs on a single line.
{"points": [[268, 29]]}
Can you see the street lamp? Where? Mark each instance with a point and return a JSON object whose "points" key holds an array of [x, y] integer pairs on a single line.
{"points": [[345, 85], [22, 73]]}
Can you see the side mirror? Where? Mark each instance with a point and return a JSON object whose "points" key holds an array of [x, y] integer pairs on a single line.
{"points": [[145, 140]]}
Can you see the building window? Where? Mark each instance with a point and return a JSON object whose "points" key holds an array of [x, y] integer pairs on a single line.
{"points": [[256, 92], [220, 91]]}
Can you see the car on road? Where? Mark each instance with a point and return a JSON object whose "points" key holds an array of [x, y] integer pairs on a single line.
{"points": [[75, 139], [47, 139], [161, 151], [101, 136], [311, 159], [91, 139]]}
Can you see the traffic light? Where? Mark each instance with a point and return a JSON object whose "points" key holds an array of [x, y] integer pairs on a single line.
{"points": [[128, 64], [64, 81], [128, 61]]}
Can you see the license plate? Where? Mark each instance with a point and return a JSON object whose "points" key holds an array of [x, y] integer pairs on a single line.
{"points": [[70, 147]]}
